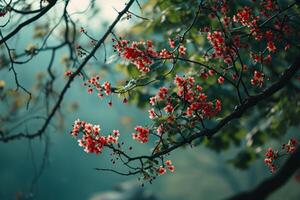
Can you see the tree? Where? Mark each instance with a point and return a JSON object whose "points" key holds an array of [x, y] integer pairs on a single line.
{"points": [[230, 69]]}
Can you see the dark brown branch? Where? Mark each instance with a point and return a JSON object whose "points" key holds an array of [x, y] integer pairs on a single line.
{"points": [[247, 104], [29, 21], [68, 84], [237, 113], [117, 172], [15, 73], [25, 12], [268, 186]]}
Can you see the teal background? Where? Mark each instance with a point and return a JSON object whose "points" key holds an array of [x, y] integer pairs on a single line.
{"points": [[69, 172]]}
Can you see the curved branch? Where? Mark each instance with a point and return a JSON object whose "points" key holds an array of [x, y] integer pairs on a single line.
{"points": [[72, 77], [29, 21], [268, 186], [237, 113]]}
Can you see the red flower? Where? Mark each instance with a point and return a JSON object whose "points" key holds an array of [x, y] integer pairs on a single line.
{"points": [[142, 134], [221, 80], [169, 108], [165, 54], [152, 113], [90, 140], [171, 168], [172, 43], [161, 170], [271, 47], [107, 88], [68, 73], [168, 162], [138, 53], [125, 100], [181, 50], [162, 93], [258, 78]]}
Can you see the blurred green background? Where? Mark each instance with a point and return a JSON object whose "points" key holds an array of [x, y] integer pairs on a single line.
{"points": [[68, 172]]}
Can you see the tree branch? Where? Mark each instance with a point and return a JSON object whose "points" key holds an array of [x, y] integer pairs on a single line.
{"points": [[237, 113], [29, 21], [268, 186], [68, 84]]}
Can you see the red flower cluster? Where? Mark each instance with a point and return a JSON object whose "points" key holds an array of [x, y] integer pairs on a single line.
{"points": [[165, 54], [271, 156], [244, 17], [271, 47], [181, 50], [138, 53], [221, 50], [91, 140], [93, 83], [141, 54], [197, 100], [221, 80], [190, 95], [278, 25], [107, 88], [169, 108], [261, 58], [160, 96], [247, 18], [152, 113], [68, 73], [172, 43], [291, 146], [162, 170], [142, 134], [162, 93], [268, 4], [170, 166], [258, 78]]}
